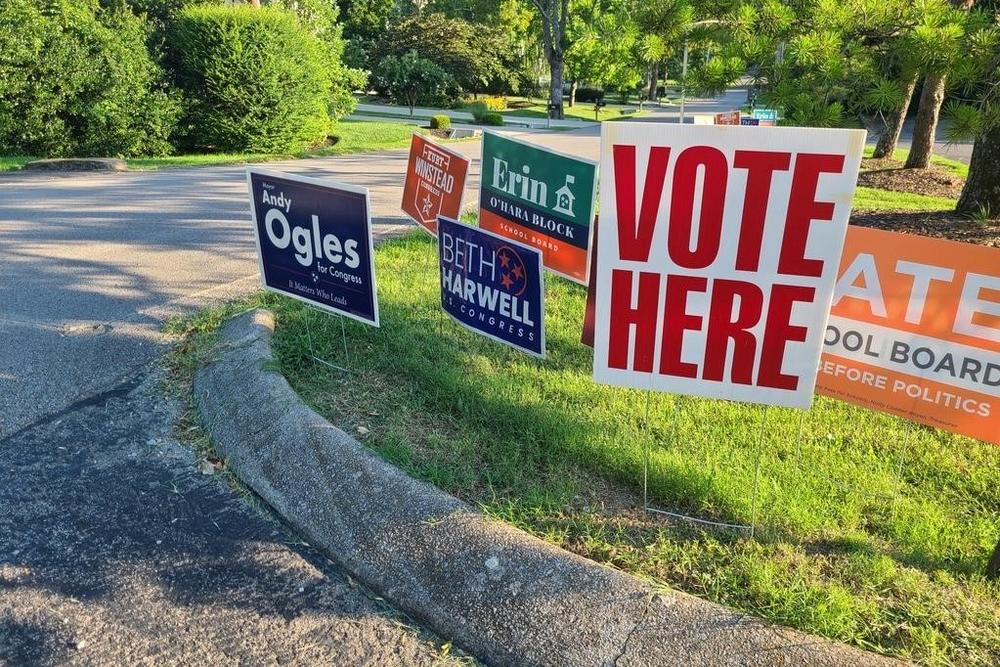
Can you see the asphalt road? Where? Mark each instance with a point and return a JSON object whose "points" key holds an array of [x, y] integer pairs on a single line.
{"points": [[114, 550]]}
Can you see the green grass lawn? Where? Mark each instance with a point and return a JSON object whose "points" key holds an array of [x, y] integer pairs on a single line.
{"points": [[354, 137], [870, 530], [876, 199], [579, 111], [12, 162]]}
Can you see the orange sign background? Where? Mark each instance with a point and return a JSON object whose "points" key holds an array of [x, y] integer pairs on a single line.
{"points": [[435, 183], [915, 331]]}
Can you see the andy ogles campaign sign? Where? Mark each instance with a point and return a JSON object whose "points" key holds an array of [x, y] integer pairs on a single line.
{"points": [[492, 285], [314, 242], [717, 257]]}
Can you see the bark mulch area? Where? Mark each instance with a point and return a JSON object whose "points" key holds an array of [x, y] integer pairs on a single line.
{"points": [[939, 224], [935, 181]]}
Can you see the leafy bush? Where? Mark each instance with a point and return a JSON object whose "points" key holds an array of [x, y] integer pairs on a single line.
{"points": [[412, 80], [495, 103], [78, 80], [254, 79], [440, 122], [478, 111], [492, 118]]}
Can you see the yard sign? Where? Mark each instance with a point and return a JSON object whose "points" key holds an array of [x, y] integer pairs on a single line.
{"points": [[314, 242], [727, 118], [915, 331], [492, 285], [540, 198], [434, 183], [717, 257]]}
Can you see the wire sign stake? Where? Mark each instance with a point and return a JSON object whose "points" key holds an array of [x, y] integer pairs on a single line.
{"points": [[649, 509]]}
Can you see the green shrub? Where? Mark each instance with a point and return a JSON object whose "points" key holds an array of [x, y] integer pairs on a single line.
{"points": [[495, 103], [254, 79], [78, 80], [492, 119], [478, 111], [440, 122]]}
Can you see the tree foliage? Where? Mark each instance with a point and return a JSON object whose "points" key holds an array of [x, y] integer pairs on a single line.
{"points": [[411, 80], [254, 79]]}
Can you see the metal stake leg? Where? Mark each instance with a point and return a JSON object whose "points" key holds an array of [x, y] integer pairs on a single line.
{"points": [[756, 474]]}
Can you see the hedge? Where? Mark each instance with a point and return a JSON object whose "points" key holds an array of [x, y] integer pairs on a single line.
{"points": [[78, 80], [254, 79]]}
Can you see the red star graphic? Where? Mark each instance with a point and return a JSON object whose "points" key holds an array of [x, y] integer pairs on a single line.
{"points": [[506, 281], [504, 260], [518, 272]]}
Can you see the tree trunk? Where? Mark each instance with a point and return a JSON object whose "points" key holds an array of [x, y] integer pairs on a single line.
{"points": [[556, 82], [993, 567], [927, 119], [886, 146], [572, 93], [981, 193], [255, 3], [654, 76]]}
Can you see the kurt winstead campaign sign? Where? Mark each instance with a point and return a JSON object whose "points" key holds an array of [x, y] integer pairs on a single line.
{"points": [[314, 242], [717, 256]]}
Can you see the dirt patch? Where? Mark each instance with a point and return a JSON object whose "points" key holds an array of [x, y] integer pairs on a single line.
{"points": [[939, 224], [934, 181]]}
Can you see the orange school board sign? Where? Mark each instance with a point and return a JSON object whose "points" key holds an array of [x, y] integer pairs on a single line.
{"points": [[915, 331], [434, 184]]}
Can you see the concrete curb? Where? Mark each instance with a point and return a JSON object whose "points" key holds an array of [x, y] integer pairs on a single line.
{"points": [[507, 597], [77, 164]]}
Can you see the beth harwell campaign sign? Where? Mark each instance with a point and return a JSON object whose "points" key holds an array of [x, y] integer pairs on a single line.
{"points": [[492, 285], [541, 198], [434, 183], [717, 257], [314, 242]]}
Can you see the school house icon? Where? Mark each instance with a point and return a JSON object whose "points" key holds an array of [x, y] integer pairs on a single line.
{"points": [[565, 197]]}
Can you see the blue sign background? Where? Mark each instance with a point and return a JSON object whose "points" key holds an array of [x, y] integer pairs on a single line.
{"points": [[314, 242], [492, 285]]}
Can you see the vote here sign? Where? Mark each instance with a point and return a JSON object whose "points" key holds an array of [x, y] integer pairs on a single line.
{"points": [[717, 257], [915, 331], [434, 183], [314, 242]]}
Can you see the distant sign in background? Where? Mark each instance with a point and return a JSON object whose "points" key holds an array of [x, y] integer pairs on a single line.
{"points": [[540, 198], [434, 183], [492, 285], [314, 242], [717, 257], [915, 331], [727, 118]]}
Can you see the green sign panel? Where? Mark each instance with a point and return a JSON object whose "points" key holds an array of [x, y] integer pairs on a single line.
{"points": [[541, 198]]}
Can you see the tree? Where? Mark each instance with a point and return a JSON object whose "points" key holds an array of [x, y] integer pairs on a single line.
{"points": [[938, 45], [663, 24], [474, 56], [975, 112], [411, 79], [554, 15]]}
